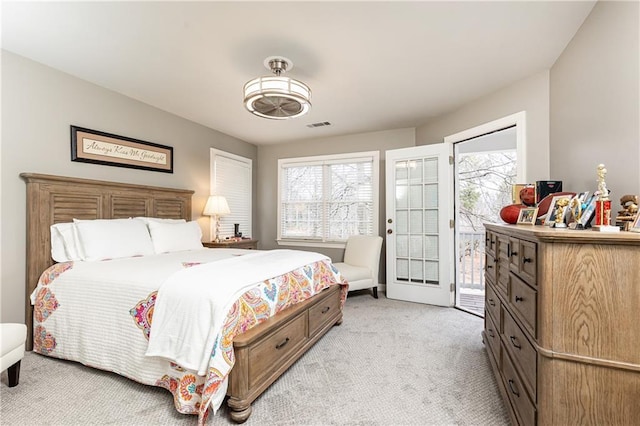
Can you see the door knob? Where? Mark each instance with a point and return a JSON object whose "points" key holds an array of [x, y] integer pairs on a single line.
{"points": [[389, 231]]}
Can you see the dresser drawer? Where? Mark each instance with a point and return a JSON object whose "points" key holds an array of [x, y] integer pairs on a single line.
{"points": [[523, 299], [492, 305], [276, 347], [522, 405], [522, 353], [492, 335], [528, 262], [324, 311], [490, 268]]}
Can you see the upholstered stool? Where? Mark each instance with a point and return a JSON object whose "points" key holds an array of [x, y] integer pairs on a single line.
{"points": [[12, 341]]}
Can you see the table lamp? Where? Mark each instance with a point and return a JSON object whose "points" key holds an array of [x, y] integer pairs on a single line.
{"points": [[216, 207]]}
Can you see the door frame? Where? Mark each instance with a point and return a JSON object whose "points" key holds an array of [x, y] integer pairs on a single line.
{"points": [[519, 121]]}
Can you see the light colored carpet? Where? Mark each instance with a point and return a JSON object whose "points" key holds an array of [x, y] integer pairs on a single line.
{"points": [[389, 363]]}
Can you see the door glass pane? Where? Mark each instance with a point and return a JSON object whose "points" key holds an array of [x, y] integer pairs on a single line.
{"points": [[431, 170], [415, 196], [416, 221], [416, 271], [402, 226], [431, 247], [415, 246], [402, 201], [401, 171], [431, 195], [431, 272], [402, 269], [415, 171], [431, 221], [402, 246]]}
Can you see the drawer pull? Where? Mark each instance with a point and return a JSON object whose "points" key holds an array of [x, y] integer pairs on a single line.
{"points": [[490, 332], [325, 310], [491, 302], [514, 253], [489, 266], [519, 299], [281, 344], [511, 383], [526, 260], [514, 339]]}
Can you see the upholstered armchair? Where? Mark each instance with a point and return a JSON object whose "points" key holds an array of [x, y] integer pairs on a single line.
{"points": [[360, 264], [12, 342]]}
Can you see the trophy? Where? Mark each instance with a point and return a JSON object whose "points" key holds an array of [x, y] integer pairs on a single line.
{"points": [[603, 204]]}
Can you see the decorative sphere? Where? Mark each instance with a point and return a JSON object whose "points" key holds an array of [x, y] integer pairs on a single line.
{"points": [[528, 196], [511, 212]]}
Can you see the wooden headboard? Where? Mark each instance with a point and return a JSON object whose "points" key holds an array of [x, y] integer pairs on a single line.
{"points": [[55, 199]]}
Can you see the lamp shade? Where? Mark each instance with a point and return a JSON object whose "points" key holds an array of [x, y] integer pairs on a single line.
{"points": [[216, 206]]}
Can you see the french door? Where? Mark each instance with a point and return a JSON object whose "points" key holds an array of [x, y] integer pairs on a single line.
{"points": [[419, 232]]}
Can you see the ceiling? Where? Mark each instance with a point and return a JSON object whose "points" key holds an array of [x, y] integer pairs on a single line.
{"points": [[371, 65]]}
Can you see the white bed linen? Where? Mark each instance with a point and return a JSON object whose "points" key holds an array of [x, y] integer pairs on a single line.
{"points": [[192, 303]]}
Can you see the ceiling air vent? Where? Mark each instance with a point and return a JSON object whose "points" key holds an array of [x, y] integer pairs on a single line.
{"points": [[321, 124]]}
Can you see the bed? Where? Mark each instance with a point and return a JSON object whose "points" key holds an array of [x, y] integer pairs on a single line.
{"points": [[273, 307]]}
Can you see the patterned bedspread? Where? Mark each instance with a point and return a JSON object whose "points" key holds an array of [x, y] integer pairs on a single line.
{"points": [[100, 314]]}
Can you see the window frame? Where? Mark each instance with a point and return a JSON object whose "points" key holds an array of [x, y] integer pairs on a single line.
{"points": [[322, 160]]}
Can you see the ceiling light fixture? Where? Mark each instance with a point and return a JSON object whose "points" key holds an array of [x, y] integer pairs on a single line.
{"points": [[277, 97]]}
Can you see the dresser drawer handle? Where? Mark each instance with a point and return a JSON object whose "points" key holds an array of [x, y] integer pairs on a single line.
{"points": [[511, 383], [490, 332], [491, 302], [514, 253], [519, 299], [325, 310], [281, 344], [514, 339], [526, 260], [489, 266]]}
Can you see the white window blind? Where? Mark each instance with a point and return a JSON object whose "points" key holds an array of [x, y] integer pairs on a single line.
{"points": [[328, 198], [231, 177]]}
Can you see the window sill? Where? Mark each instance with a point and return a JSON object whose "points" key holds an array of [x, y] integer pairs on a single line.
{"points": [[311, 243]]}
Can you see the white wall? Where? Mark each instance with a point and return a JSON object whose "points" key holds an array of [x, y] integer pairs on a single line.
{"points": [[530, 94], [595, 102], [38, 106]]}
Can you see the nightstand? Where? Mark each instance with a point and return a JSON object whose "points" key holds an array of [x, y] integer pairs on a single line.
{"points": [[240, 244]]}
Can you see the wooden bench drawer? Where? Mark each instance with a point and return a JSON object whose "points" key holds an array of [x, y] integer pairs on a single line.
{"points": [[522, 405], [324, 311], [522, 352], [275, 347], [524, 301]]}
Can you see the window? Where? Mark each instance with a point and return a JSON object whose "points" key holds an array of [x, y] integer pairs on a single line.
{"points": [[325, 199], [231, 177]]}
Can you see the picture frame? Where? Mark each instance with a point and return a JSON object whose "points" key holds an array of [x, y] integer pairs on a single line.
{"points": [[588, 212], [553, 208], [527, 216], [635, 226], [96, 147]]}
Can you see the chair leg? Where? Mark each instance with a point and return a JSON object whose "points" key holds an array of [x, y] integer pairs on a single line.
{"points": [[14, 374], [375, 292]]}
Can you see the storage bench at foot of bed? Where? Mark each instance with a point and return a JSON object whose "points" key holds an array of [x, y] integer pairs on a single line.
{"points": [[265, 352]]}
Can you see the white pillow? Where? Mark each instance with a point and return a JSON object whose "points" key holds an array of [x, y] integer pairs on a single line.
{"points": [[169, 237], [64, 243], [113, 238], [146, 220]]}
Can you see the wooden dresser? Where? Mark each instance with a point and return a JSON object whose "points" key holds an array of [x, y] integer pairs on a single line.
{"points": [[562, 324]]}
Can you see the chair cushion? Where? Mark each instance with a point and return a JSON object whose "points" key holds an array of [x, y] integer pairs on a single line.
{"points": [[353, 273], [12, 336]]}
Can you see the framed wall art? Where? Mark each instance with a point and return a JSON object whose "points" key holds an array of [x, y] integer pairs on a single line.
{"points": [[92, 146], [527, 216]]}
